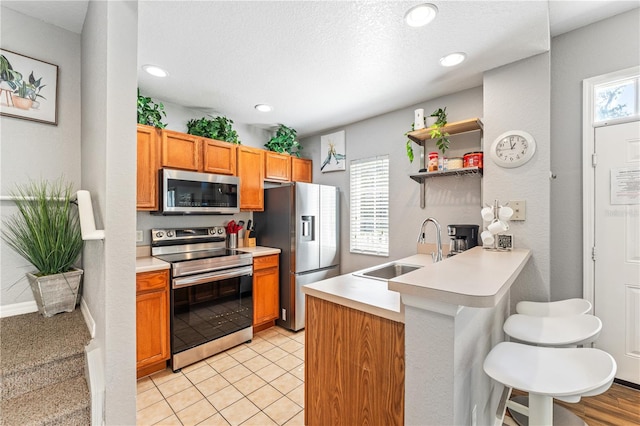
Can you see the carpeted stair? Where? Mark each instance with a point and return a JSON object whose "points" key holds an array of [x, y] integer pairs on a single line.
{"points": [[42, 378]]}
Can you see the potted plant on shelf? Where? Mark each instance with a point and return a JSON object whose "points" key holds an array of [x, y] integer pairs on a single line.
{"points": [[435, 122], [284, 141], [220, 128], [46, 232], [437, 134], [149, 112]]}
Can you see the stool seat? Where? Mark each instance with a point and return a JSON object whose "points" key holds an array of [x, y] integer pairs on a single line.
{"points": [[565, 373], [553, 331], [553, 309]]}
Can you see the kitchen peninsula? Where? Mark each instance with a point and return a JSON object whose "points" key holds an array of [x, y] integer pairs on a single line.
{"points": [[447, 316]]}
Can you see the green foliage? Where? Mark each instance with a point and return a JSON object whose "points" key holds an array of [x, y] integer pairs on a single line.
{"points": [[45, 230], [35, 87], [149, 112], [410, 145], [441, 138], [220, 128], [8, 74], [285, 141]]}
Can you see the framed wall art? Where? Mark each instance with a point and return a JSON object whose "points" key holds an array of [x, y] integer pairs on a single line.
{"points": [[28, 88], [333, 152]]}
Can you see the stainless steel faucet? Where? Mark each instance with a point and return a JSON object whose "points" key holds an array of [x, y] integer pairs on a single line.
{"points": [[437, 257]]}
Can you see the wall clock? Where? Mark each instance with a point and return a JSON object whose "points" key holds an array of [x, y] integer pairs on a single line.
{"points": [[513, 148]]}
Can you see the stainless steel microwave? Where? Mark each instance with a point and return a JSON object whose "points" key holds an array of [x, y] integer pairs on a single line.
{"points": [[184, 192]]}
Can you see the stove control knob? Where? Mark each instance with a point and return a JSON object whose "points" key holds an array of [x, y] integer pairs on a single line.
{"points": [[169, 233], [212, 231], [159, 234], [220, 230]]}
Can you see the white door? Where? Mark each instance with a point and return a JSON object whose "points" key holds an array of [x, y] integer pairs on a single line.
{"points": [[617, 245]]}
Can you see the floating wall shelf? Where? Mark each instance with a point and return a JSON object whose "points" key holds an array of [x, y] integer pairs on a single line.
{"points": [[455, 128], [421, 136], [420, 177]]}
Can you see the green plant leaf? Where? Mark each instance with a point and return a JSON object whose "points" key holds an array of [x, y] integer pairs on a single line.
{"points": [[285, 141], [149, 112], [220, 128]]}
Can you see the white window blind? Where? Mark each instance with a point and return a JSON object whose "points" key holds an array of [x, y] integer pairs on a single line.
{"points": [[370, 206]]}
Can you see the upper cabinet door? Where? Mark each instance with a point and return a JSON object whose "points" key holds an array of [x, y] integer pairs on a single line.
{"points": [[277, 166], [219, 157], [301, 169], [181, 151], [251, 174], [148, 163]]}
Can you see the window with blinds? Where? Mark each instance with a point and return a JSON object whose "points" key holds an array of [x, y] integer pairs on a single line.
{"points": [[370, 206]]}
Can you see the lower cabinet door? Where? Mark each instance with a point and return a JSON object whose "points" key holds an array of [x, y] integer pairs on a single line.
{"points": [[265, 295], [152, 328]]}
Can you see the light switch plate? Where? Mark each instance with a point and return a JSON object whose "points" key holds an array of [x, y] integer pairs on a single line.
{"points": [[139, 237], [519, 209]]}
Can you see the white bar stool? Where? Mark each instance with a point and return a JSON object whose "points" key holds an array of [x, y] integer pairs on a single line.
{"points": [[554, 309], [554, 331], [547, 373]]}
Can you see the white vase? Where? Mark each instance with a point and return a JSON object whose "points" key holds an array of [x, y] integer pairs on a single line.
{"points": [[431, 120], [56, 293]]}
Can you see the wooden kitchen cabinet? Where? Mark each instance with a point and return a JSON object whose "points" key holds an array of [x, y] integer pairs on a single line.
{"points": [[266, 291], [301, 169], [181, 151], [251, 174], [148, 163], [354, 366], [152, 322], [277, 166], [219, 157]]}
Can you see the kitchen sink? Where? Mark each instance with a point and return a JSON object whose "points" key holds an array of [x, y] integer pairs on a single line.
{"points": [[387, 271]]}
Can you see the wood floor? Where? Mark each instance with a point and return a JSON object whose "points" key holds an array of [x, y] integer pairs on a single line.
{"points": [[619, 406]]}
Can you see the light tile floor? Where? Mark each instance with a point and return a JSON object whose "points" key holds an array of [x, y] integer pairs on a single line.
{"points": [[258, 383]]}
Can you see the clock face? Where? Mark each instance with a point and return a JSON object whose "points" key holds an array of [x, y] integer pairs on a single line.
{"points": [[513, 148]]}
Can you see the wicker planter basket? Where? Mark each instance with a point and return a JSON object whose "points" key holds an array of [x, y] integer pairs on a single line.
{"points": [[56, 293]]}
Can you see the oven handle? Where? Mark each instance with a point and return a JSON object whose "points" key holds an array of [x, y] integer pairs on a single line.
{"points": [[212, 276]]}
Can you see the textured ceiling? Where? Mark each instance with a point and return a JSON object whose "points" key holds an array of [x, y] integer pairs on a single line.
{"points": [[323, 64]]}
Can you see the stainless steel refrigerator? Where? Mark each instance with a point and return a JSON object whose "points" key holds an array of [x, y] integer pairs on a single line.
{"points": [[302, 220]]}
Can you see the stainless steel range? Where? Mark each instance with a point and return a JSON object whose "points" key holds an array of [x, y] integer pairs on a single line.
{"points": [[211, 292]]}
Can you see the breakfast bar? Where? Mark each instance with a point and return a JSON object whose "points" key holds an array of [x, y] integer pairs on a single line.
{"points": [[451, 313]]}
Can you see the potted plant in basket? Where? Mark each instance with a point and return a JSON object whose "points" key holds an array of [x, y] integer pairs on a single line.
{"points": [[46, 232], [285, 141], [220, 128]]}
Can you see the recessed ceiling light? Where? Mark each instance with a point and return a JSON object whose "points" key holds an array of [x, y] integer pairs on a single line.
{"points": [[155, 70], [264, 108], [420, 15], [452, 59]]}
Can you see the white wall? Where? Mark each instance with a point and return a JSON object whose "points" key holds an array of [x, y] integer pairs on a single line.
{"points": [[108, 167], [517, 97], [31, 150], [600, 48], [451, 200]]}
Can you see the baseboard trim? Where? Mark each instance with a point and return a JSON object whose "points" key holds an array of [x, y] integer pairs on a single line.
{"points": [[91, 324], [94, 373], [18, 309]]}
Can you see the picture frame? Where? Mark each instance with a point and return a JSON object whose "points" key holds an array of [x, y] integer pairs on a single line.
{"points": [[333, 154], [28, 88]]}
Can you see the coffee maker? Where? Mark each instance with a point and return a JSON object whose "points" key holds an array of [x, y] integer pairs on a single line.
{"points": [[463, 237]]}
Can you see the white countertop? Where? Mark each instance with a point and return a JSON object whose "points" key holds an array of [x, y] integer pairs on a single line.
{"points": [[364, 294], [148, 264], [259, 251], [476, 278]]}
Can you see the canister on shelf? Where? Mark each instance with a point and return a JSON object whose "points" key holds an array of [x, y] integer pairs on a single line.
{"points": [[473, 159], [433, 162], [454, 163]]}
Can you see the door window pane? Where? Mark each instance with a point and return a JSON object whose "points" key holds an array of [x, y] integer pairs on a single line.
{"points": [[616, 100]]}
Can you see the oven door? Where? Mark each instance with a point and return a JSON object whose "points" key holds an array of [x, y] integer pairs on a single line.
{"points": [[207, 307]]}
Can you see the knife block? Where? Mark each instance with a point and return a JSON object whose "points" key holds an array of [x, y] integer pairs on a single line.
{"points": [[249, 242]]}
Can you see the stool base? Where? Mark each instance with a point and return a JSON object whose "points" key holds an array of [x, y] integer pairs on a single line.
{"points": [[561, 416]]}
